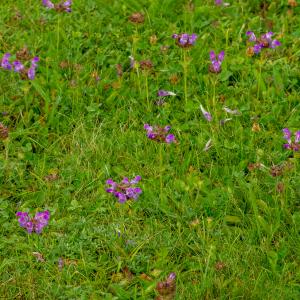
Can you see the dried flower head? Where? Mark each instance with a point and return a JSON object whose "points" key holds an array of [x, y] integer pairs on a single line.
{"points": [[146, 64], [137, 18], [35, 224], [125, 190], [185, 40], [23, 54], [160, 134], [3, 131]]}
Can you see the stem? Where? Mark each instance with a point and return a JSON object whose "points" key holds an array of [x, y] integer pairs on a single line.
{"points": [[58, 27], [147, 91], [160, 170], [185, 75]]}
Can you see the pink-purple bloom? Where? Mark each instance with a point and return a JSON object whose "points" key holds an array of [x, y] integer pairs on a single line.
{"points": [[160, 134], [163, 93], [206, 114], [125, 190], [292, 145], [264, 41], [185, 40], [35, 224], [5, 64], [216, 61], [221, 3], [62, 6]]}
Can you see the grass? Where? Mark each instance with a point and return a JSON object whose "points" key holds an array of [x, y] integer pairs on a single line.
{"points": [[225, 230]]}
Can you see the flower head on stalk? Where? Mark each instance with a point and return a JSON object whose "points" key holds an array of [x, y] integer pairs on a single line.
{"points": [[60, 7], [185, 40], [160, 134], [292, 145], [35, 224], [167, 288], [216, 61], [5, 64], [205, 113], [125, 190], [264, 41]]}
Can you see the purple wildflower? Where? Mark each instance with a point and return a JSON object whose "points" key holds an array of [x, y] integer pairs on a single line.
{"points": [[31, 70], [125, 190], [220, 2], [264, 41], [48, 4], [163, 93], [295, 146], [206, 114], [62, 6], [160, 134], [216, 61], [36, 224], [185, 40], [5, 64], [18, 66]]}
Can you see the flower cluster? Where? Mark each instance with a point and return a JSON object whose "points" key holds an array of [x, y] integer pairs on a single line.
{"points": [[36, 224], [60, 7], [19, 67], [125, 190], [265, 41], [295, 146], [216, 61], [185, 40], [167, 288], [160, 134]]}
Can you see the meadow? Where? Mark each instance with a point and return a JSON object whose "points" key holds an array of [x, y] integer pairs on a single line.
{"points": [[161, 170]]}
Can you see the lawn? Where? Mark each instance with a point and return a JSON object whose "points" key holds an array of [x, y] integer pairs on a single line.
{"points": [[211, 207]]}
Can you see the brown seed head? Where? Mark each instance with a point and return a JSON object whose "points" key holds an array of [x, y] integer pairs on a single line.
{"points": [[137, 18]]}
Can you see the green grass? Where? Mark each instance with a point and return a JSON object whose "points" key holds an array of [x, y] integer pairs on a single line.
{"points": [[198, 209]]}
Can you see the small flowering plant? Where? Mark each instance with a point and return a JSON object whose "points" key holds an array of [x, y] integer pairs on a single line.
{"points": [[167, 289], [125, 190], [185, 40], [35, 224], [20, 67], [216, 61], [264, 41], [160, 134], [287, 135], [63, 6], [206, 114]]}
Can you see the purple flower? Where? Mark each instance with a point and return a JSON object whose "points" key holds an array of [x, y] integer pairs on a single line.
{"points": [[36, 224], [160, 134], [5, 64], [18, 66], [220, 2], [185, 40], [252, 37], [125, 190], [67, 6], [31, 70], [48, 4], [216, 61], [287, 135], [265, 41], [163, 93], [206, 114]]}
